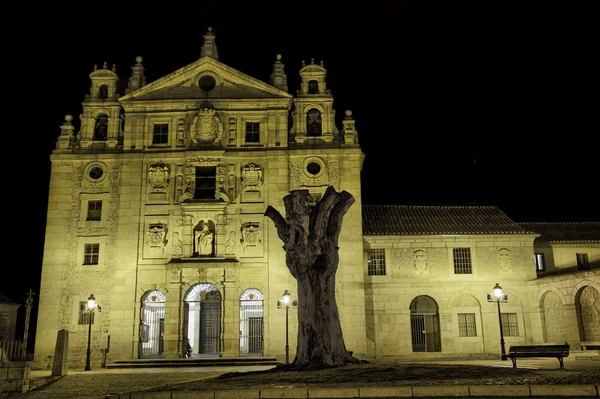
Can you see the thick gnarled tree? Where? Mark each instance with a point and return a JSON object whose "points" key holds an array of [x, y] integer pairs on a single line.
{"points": [[310, 235]]}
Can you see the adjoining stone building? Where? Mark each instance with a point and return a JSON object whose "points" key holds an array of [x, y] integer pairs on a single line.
{"points": [[156, 207]]}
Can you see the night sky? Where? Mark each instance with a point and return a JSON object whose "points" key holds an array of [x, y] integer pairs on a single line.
{"points": [[478, 104]]}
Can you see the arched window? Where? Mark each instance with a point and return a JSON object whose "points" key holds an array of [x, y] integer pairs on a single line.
{"points": [[313, 87], [313, 123], [101, 128], [103, 92]]}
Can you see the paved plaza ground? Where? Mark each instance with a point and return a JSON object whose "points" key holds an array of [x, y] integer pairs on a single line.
{"points": [[102, 382]]}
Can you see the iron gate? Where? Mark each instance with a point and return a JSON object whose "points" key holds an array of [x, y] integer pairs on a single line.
{"points": [[251, 323], [152, 325], [425, 325]]}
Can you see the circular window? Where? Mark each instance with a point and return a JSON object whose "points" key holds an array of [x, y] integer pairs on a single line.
{"points": [[96, 172], [207, 83], [313, 168]]}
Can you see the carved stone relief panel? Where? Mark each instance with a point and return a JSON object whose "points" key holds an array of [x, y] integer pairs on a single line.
{"points": [[333, 169], [155, 240], [252, 182], [420, 261], [251, 239], [180, 132], [230, 238], [158, 179], [232, 131], [504, 260], [206, 127]]}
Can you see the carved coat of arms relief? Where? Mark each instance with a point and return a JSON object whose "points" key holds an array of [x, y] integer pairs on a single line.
{"points": [[207, 127]]}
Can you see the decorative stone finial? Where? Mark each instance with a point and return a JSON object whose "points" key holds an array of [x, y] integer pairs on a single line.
{"points": [[114, 68], [348, 114], [278, 57], [302, 62], [95, 68], [68, 118], [137, 78], [139, 59], [323, 65], [209, 47], [104, 66], [278, 77], [312, 61]]}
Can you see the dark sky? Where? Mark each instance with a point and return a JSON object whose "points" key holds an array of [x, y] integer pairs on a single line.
{"points": [[476, 103]]}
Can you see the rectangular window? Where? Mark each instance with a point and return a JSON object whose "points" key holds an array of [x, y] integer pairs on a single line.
{"points": [[539, 262], [84, 314], [376, 262], [583, 262], [94, 210], [161, 133], [206, 182], [252, 132], [90, 254], [462, 260], [466, 325], [510, 325]]}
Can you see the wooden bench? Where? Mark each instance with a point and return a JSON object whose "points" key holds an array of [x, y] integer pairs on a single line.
{"points": [[557, 351]]}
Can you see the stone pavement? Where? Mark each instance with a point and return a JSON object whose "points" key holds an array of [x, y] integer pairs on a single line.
{"points": [[136, 383]]}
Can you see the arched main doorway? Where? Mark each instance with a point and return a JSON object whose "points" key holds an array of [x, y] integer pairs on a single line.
{"points": [[425, 325], [251, 322], [152, 325], [202, 320]]}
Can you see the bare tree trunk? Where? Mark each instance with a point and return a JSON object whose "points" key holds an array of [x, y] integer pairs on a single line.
{"points": [[310, 236]]}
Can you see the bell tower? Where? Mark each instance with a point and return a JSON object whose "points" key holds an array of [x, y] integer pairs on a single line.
{"points": [[313, 115], [101, 117]]}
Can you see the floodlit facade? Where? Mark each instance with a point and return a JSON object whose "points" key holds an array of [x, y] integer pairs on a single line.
{"points": [[156, 207]]}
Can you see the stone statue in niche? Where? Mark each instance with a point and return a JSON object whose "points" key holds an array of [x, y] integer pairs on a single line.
{"points": [[158, 175], [204, 242], [251, 236], [504, 259], [420, 261], [252, 176], [157, 236]]}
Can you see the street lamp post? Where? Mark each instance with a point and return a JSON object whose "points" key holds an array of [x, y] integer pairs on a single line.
{"points": [[287, 302], [91, 305], [498, 296]]}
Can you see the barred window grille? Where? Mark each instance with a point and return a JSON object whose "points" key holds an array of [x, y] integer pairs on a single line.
{"points": [[583, 262], [161, 133], [84, 314], [94, 210], [466, 325], [252, 132], [462, 260], [510, 325], [376, 262], [91, 254], [539, 262]]}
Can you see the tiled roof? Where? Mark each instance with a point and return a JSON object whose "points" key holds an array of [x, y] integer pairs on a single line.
{"points": [[565, 231], [415, 220], [5, 299]]}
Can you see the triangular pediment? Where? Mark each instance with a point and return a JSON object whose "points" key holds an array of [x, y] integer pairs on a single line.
{"points": [[184, 84]]}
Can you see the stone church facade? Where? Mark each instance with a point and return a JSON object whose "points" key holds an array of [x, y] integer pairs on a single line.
{"points": [[156, 207]]}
